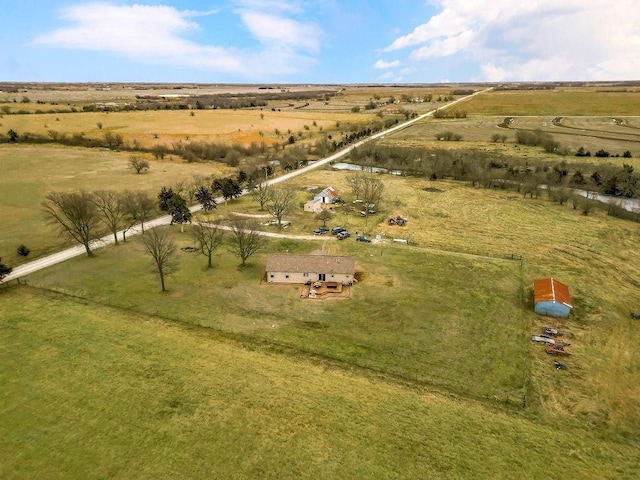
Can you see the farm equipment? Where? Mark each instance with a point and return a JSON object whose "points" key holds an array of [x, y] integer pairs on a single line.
{"points": [[557, 351], [559, 365]]}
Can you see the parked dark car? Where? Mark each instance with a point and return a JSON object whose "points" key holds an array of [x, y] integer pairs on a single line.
{"points": [[342, 235], [362, 238], [337, 230], [321, 231]]}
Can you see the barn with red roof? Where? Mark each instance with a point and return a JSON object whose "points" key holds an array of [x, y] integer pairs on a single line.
{"points": [[550, 297]]}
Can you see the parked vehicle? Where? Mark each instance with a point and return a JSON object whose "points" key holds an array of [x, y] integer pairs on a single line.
{"points": [[337, 230], [397, 221], [342, 235], [559, 365], [321, 231], [362, 238], [543, 339], [363, 213], [552, 331]]}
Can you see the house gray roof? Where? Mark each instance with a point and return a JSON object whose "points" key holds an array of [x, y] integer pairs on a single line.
{"points": [[311, 264]]}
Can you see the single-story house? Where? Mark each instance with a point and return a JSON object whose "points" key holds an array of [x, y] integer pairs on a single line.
{"points": [[550, 297], [322, 200], [310, 268]]}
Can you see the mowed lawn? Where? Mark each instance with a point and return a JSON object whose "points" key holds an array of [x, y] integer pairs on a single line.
{"points": [[435, 319], [32, 171], [94, 392]]}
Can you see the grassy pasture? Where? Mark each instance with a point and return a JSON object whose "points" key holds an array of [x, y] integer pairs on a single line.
{"points": [[95, 392], [399, 319], [593, 133], [31, 171], [570, 101], [226, 126], [595, 255]]}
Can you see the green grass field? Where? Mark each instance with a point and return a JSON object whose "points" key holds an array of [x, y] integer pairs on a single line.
{"points": [[426, 371], [95, 392], [569, 101], [399, 320], [31, 171]]}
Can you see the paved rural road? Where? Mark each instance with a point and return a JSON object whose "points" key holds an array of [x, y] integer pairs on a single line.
{"points": [[79, 250]]}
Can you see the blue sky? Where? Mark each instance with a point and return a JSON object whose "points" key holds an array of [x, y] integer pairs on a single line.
{"points": [[319, 41]]}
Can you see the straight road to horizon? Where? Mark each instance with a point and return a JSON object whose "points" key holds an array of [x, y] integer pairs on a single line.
{"points": [[79, 250]]}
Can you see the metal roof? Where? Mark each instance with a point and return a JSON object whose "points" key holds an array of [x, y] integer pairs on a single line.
{"points": [[551, 290], [311, 264]]}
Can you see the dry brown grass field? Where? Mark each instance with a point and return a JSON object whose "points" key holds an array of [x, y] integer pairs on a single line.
{"points": [[155, 127]]}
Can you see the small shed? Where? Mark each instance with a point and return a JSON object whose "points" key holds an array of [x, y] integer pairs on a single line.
{"points": [[322, 200], [550, 297]]}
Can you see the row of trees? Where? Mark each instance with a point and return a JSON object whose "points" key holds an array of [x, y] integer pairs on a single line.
{"points": [[494, 169]]}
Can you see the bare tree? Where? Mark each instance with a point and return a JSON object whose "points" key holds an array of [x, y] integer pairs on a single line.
{"points": [[138, 207], [111, 209], [209, 238], [371, 193], [162, 250], [262, 194], [246, 240], [281, 202], [75, 214], [138, 164], [354, 179]]}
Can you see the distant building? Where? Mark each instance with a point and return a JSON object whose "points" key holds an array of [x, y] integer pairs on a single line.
{"points": [[310, 268], [550, 297], [322, 200]]}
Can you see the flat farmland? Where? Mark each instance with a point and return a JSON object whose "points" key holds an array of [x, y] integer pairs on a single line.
{"points": [[31, 171], [93, 391], [398, 320], [159, 127], [575, 101], [592, 133]]}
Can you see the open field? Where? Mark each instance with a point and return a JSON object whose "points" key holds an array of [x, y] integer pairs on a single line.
{"points": [[592, 133], [92, 391], [425, 371], [595, 255], [31, 171], [157, 127], [562, 101], [393, 323]]}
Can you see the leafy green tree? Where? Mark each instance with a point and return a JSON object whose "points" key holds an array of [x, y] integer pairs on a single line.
{"points": [[163, 198], [4, 269], [179, 211], [204, 196], [23, 251]]}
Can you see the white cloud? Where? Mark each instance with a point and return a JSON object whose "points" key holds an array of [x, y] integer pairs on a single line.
{"points": [[281, 31], [158, 35], [532, 40], [381, 64]]}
